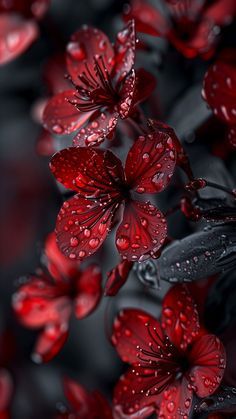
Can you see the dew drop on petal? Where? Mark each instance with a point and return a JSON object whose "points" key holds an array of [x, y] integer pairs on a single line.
{"points": [[76, 51], [93, 243], [122, 242]]}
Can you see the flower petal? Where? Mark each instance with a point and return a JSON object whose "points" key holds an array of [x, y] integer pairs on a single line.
{"points": [[50, 342], [100, 126], [16, 35], [177, 398], [142, 231], [59, 266], [60, 116], [85, 44], [89, 291], [117, 277], [145, 83], [148, 18], [82, 226], [133, 330], [219, 90], [180, 317], [208, 359], [124, 51], [130, 400], [127, 93], [151, 162], [77, 396], [89, 172], [37, 303]]}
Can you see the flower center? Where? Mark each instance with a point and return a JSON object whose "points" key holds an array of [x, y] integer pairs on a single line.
{"points": [[162, 362], [96, 89]]}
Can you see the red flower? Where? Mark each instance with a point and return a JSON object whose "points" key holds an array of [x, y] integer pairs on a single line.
{"points": [[103, 187], [106, 86], [84, 405], [169, 361], [18, 27], [46, 301], [219, 91], [191, 26]]}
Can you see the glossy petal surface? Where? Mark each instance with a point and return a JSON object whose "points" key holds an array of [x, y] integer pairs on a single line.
{"points": [[180, 317], [150, 163], [142, 231], [208, 359], [62, 117], [82, 226]]}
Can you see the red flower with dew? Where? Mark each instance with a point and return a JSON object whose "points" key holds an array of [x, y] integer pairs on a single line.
{"points": [[83, 404], [103, 187], [47, 301], [170, 360], [6, 391], [191, 26], [106, 86], [219, 91], [18, 26]]}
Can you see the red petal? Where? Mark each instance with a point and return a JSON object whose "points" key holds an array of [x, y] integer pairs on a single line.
{"points": [[130, 400], [37, 303], [180, 317], [148, 18], [82, 226], [92, 173], [16, 35], [151, 162], [124, 51], [145, 83], [117, 277], [85, 44], [208, 359], [6, 390], [219, 90], [127, 93], [50, 342], [77, 396], [89, 291], [59, 266], [131, 331], [100, 126], [45, 144], [142, 231], [61, 117], [178, 398]]}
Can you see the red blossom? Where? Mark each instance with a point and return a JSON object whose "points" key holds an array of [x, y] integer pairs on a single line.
{"points": [[219, 91], [106, 86], [84, 404], [46, 301], [170, 360], [18, 27], [191, 26], [103, 186]]}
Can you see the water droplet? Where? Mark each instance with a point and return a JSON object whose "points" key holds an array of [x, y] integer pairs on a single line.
{"points": [[58, 129], [74, 241], [146, 157], [122, 242], [76, 51], [93, 243]]}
